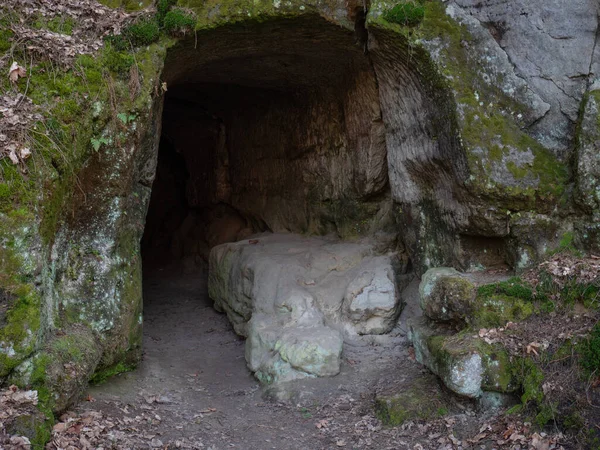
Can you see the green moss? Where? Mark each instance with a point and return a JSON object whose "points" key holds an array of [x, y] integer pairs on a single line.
{"points": [[215, 13], [141, 33], [513, 287], [497, 310], [102, 376], [5, 38], [18, 335], [162, 8], [546, 413], [422, 400], [498, 303], [179, 22], [117, 61], [36, 427], [590, 351], [67, 349], [566, 245], [532, 378], [498, 373], [128, 5], [407, 14]]}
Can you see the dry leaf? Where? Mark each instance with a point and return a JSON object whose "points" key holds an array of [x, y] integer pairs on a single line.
{"points": [[323, 423], [531, 348], [24, 153], [15, 72]]}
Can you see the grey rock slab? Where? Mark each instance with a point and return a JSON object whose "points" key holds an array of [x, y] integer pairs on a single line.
{"points": [[550, 44], [296, 298]]}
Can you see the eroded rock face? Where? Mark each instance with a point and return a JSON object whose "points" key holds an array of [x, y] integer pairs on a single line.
{"points": [[467, 365], [588, 156], [550, 46], [296, 298], [318, 117]]}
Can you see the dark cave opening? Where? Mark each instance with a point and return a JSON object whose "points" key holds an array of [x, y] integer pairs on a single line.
{"points": [[275, 127]]}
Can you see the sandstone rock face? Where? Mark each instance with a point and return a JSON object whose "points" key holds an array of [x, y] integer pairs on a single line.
{"points": [[550, 46], [588, 156], [295, 299], [467, 365], [446, 295], [306, 117]]}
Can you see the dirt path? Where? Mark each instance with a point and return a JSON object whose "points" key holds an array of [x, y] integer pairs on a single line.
{"points": [[193, 389]]}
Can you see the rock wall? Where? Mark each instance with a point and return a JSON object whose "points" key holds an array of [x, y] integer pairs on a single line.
{"points": [[479, 137]]}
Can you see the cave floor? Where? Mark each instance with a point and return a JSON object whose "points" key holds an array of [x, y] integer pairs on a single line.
{"points": [[193, 390]]}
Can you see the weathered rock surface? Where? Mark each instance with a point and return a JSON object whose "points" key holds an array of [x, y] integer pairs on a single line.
{"points": [[332, 120], [588, 155], [446, 295], [549, 45], [295, 298], [466, 364]]}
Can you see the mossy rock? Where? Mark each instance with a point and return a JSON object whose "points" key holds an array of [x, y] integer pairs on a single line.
{"points": [[406, 13], [446, 295], [34, 425], [499, 303], [422, 399], [466, 364], [60, 372]]}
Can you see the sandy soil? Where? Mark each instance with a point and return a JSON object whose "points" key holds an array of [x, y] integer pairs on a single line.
{"points": [[194, 378], [193, 390]]}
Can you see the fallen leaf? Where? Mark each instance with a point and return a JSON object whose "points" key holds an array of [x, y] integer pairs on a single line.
{"points": [[24, 153], [531, 348], [15, 72], [323, 423], [13, 156], [477, 438]]}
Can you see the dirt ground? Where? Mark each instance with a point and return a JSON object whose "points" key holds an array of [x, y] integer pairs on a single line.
{"points": [[193, 390], [193, 386]]}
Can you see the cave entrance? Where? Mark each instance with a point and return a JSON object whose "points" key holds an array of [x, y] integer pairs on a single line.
{"points": [[273, 127]]}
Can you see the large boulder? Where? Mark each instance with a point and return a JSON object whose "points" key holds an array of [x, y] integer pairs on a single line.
{"points": [[371, 300], [295, 299]]}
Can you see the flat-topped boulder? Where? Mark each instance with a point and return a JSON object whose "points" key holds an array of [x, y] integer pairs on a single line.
{"points": [[296, 298]]}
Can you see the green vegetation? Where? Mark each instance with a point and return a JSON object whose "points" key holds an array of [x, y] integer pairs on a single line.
{"points": [[590, 351], [513, 287], [117, 61], [408, 14], [179, 22], [498, 303], [59, 24], [103, 375], [163, 7], [128, 5], [422, 400], [144, 32]]}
